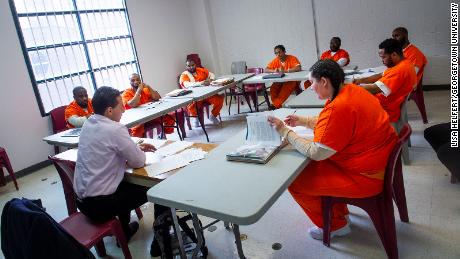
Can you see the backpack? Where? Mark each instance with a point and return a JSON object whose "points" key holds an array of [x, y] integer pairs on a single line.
{"points": [[163, 244]]}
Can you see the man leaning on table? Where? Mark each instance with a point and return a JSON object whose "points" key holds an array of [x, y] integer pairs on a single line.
{"points": [[138, 94], [195, 76], [394, 85], [78, 111], [105, 150], [282, 63]]}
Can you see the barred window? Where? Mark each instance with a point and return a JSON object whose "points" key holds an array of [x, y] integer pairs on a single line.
{"points": [[68, 43]]}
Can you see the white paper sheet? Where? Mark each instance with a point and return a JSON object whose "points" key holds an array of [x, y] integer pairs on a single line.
{"points": [[165, 165], [260, 131], [192, 154], [173, 148], [155, 142], [70, 155]]}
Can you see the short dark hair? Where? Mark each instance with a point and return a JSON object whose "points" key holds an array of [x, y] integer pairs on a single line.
{"points": [[103, 98], [281, 47], [401, 29], [337, 39], [329, 69], [76, 89], [391, 45]]}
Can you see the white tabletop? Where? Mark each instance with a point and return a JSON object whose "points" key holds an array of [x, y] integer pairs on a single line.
{"points": [[235, 192], [306, 99], [131, 117], [364, 73], [295, 76]]}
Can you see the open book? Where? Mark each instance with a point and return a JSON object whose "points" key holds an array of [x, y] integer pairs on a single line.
{"points": [[262, 142], [223, 81], [179, 92]]}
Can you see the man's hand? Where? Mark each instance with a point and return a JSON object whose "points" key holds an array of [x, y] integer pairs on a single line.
{"points": [[356, 81], [147, 147], [292, 120], [277, 123], [206, 82]]}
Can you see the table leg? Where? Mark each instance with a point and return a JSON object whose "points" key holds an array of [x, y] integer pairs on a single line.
{"points": [[163, 134], [178, 234], [179, 128], [239, 247], [201, 120], [199, 235]]}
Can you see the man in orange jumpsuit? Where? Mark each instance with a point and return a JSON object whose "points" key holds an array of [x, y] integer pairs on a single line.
{"points": [[352, 142], [195, 76], [279, 92], [336, 53], [79, 109], [410, 51], [394, 85], [138, 94]]}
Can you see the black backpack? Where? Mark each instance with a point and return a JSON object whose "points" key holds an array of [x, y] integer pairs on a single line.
{"points": [[162, 242]]}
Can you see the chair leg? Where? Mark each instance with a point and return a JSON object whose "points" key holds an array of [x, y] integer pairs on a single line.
{"points": [[120, 235], [399, 192], [56, 150], [230, 104], [187, 118], [390, 230], [238, 100], [377, 217], [139, 213], [326, 205], [255, 100], [207, 111], [419, 100], [246, 96], [11, 172], [100, 248], [2, 177], [405, 153]]}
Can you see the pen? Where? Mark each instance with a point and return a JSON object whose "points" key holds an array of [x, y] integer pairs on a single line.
{"points": [[139, 141], [294, 112]]}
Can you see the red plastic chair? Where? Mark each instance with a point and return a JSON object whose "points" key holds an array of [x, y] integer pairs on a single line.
{"points": [[253, 89], [83, 229], [379, 207], [5, 162], [58, 121], [417, 96]]}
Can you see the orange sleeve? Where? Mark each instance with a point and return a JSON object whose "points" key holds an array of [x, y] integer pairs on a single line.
{"points": [[127, 95], [292, 62], [391, 79], [343, 54], [332, 130], [201, 74], [274, 64], [325, 55], [70, 110], [183, 78]]}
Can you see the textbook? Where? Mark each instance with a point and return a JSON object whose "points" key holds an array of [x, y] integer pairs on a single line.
{"points": [[223, 81], [262, 142], [72, 133], [179, 92], [273, 75]]}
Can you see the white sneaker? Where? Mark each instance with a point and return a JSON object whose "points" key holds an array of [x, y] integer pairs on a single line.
{"points": [[317, 233], [214, 120], [196, 123]]}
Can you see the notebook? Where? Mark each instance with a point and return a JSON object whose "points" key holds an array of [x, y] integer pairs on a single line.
{"points": [[179, 92], [72, 133], [273, 75]]}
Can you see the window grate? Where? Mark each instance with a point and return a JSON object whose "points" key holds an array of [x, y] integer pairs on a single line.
{"points": [[68, 43]]}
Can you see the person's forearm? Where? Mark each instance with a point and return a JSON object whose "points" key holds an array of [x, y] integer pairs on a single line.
{"points": [[371, 88], [306, 146], [370, 79], [154, 94], [269, 70], [135, 101], [77, 121], [294, 69]]}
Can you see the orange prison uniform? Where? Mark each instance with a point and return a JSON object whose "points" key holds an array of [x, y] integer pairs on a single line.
{"points": [[139, 130], [417, 58], [217, 101], [401, 80], [279, 92], [358, 129], [74, 109], [338, 55]]}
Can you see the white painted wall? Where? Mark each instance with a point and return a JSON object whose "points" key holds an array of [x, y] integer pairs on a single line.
{"points": [[363, 24], [248, 31], [22, 126]]}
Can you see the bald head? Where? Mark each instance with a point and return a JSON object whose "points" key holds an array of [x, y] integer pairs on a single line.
{"points": [[401, 35], [80, 96], [135, 80]]}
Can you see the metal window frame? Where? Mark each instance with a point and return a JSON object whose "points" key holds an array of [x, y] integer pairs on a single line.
{"points": [[90, 71]]}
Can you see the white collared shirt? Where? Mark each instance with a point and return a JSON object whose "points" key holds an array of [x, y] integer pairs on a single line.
{"points": [[104, 150]]}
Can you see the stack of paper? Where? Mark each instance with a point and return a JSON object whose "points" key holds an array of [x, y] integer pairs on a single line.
{"points": [[175, 161], [223, 81], [173, 148]]}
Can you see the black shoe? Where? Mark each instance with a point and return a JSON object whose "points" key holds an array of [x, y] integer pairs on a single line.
{"points": [[133, 227]]}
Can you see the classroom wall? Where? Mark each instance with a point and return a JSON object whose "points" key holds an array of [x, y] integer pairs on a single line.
{"points": [[248, 30]]}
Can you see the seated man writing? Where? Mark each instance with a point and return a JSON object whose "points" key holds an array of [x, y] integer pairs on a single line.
{"points": [[197, 76], [279, 92], [79, 109], [138, 94], [105, 150], [394, 85]]}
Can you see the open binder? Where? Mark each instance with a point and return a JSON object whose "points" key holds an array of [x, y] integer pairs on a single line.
{"points": [[179, 92]]}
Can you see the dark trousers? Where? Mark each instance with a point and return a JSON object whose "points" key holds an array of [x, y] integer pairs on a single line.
{"points": [[439, 138], [126, 198]]}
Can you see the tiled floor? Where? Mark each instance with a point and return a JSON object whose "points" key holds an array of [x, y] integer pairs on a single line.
{"points": [[434, 208]]}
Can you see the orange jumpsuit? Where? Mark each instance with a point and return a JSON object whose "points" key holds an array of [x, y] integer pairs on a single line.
{"points": [[74, 109], [201, 74], [417, 58], [279, 92], [357, 128], [338, 55], [139, 130], [341, 53], [400, 79]]}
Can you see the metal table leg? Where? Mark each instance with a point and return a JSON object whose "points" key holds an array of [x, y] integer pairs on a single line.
{"points": [[199, 235], [201, 120], [239, 247], [178, 234]]}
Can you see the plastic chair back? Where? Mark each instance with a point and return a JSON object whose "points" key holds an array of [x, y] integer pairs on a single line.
{"points": [[238, 67], [66, 170], [58, 119]]}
